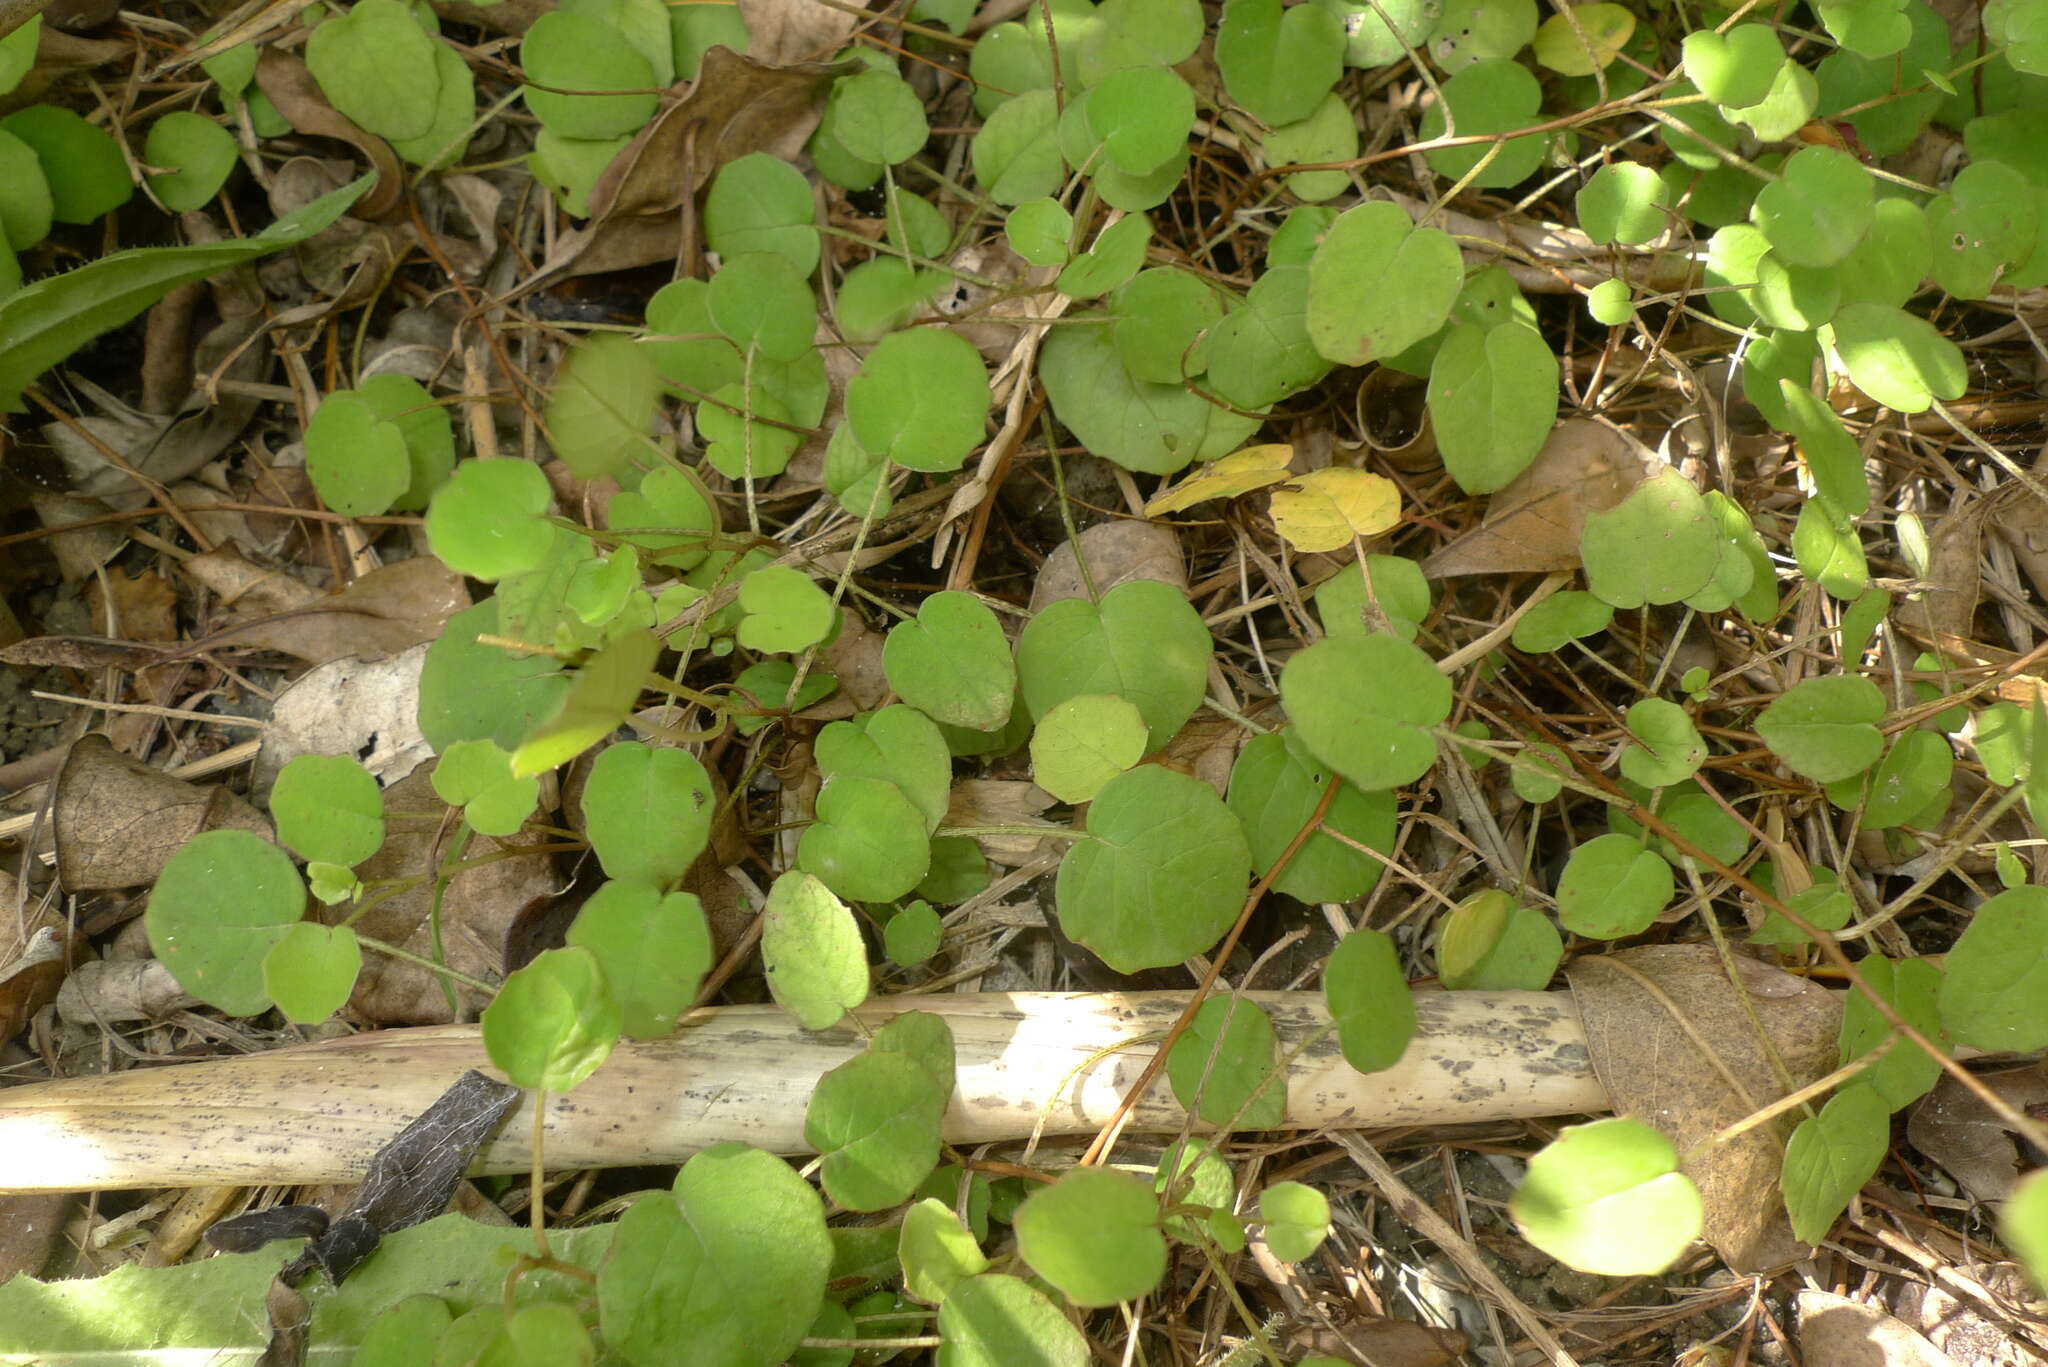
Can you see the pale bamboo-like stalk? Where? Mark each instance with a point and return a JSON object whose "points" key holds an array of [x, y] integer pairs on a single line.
{"points": [[316, 1113]]}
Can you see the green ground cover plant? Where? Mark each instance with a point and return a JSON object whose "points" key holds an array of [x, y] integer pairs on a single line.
{"points": [[1204, 223]]}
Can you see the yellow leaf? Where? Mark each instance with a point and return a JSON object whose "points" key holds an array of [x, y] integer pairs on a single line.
{"points": [[1606, 29], [1237, 473], [1323, 510]]}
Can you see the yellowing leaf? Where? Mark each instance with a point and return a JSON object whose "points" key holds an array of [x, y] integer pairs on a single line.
{"points": [[1323, 510], [1238, 473], [597, 702], [1606, 29]]}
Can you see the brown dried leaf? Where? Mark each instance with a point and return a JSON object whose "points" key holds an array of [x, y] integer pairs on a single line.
{"points": [[1955, 572], [1654, 1070], [29, 981], [349, 707], [1117, 551], [785, 32], [118, 821], [112, 990], [297, 96], [477, 912], [383, 613], [738, 105], [144, 608], [1001, 802], [31, 1228], [80, 652], [1534, 522], [1382, 1342], [1952, 1127]]}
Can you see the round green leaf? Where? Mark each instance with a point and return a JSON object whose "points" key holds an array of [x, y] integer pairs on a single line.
{"points": [[1571, 615], [1094, 1234], [1994, 990], [1658, 545], [83, 165], [786, 611], [1278, 63], [1039, 231], [553, 1022], [1624, 201], [1489, 944], [1826, 729], [811, 947], [1377, 738], [913, 934], [1225, 1068], [192, 155], [1492, 401], [920, 399], [476, 775], [1161, 318], [1143, 643], [998, 1321], [604, 396], [878, 118], [1905, 1072], [328, 807], [937, 1252], [219, 905], [1329, 133], [869, 842], [647, 812], [1831, 1155], [1162, 874], [1913, 773], [1275, 786], [952, 662], [575, 52], [874, 1121], [759, 299], [734, 1265], [1900, 360], [355, 458], [1142, 114], [1157, 428], [898, 745], [1612, 887], [488, 521], [1085, 742], [311, 970], [25, 204], [1378, 284], [1369, 1000], [1607, 1198], [1297, 1219], [1735, 68], [1667, 747], [1385, 30], [1016, 153], [2023, 1224], [375, 64], [1818, 210], [1496, 96]]}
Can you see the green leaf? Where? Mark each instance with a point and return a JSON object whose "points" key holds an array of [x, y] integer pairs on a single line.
{"points": [[1624, 202], [311, 970], [952, 662], [898, 745], [1161, 318], [1831, 1155], [574, 52], [26, 206], [1496, 96], [1819, 208], [1490, 944], [1607, 1198], [1399, 592], [1039, 230], [1994, 989], [1906, 1072], [1830, 452], [219, 905], [1899, 360], [1492, 400], [870, 841], [1094, 1234], [1277, 63], [1161, 876], [1261, 352], [1913, 773], [604, 396], [1661, 544], [1735, 68], [1016, 153], [1983, 228], [759, 299], [1369, 1000], [786, 612], [1142, 114], [1115, 256], [553, 1022], [1571, 615], [478, 692], [329, 808], [429, 435], [1190, 1175], [488, 520], [1149, 428], [598, 699], [1377, 738], [1826, 729], [18, 53], [44, 322], [920, 399], [1085, 742], [1587, 39], [1297, 1219], [193, 156], [734, 1265], [1329, 133], [2023, 1224], [811, 948], [476, 775], [878, 118], [1378, 284], [913, 934], [375, 64], [874, 1121], [1143, 643], [87, 173], [1385, 30], [1612, 887], [647, 812], [998, 1321], [1667, 748], [355, 458], [1225, 1068], [937, 1252], [1274, 788]]}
